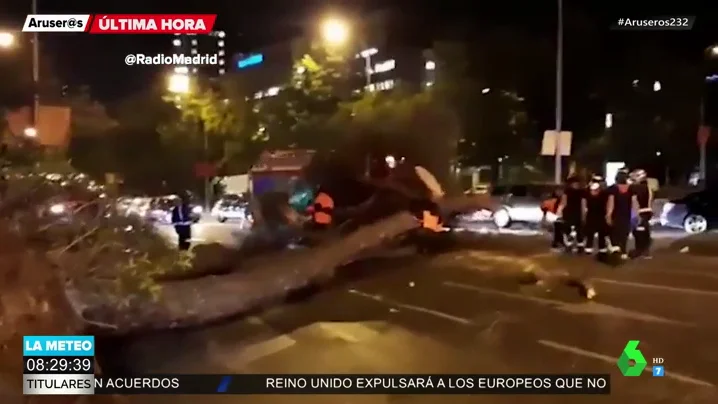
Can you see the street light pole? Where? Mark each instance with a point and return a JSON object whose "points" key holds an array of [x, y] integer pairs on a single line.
{"points": [[702, 144], [559, 93], [35, 73]]}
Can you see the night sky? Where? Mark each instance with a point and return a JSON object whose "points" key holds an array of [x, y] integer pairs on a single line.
{"points": [[97, 60]]}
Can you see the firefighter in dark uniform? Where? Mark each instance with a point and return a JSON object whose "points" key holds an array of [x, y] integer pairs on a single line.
{"points": [[182, 222], [644, 198], [619, 207], [322, 210], [550, 206], [595, 216], [570, 210]]}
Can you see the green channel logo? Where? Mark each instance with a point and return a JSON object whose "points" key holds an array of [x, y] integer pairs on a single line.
{"points": [[632, 353]]}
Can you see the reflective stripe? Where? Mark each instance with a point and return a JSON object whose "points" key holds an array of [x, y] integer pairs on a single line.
{"points": [[322, 218], [645, 210], [603, 250], [588, 250], [431, 221]]}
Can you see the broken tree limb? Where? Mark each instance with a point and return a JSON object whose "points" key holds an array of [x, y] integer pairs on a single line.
{"points": [[199, 301]]}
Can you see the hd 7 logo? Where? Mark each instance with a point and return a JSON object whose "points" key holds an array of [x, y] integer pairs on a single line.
{"points": [[632, 362]]}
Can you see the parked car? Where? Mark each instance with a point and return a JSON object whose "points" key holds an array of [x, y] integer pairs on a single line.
{"points": [[519, 203], [232, 207], [160, 210], [695, 213]]}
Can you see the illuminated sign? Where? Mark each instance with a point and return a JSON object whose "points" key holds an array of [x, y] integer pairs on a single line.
{"points": [[250, 61]]}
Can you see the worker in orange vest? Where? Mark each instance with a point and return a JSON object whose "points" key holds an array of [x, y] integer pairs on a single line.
{"points": [[323, 210], [551, 206]]}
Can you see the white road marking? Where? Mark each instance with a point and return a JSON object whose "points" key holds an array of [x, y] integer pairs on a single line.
{"points": [[265, 348], [574, 308], [612, 360], [657, 287], [418, 309]]}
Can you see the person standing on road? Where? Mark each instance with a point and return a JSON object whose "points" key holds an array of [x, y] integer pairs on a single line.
{"points": [[619, 207], [182, 222], [550, 206], [642, 229], [595, 216], [570, 210]]}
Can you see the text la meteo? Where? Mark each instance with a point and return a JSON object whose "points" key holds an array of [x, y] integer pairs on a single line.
{"points": [[42, 23], [59, 345]]}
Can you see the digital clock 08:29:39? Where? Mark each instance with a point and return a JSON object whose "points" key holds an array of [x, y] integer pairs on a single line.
{"points": [[59, 364]]}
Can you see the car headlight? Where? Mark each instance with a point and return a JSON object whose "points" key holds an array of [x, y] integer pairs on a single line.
{"points": [[57, 208], [197, 209]]}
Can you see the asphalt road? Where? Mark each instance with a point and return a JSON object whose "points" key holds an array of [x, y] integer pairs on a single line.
{"points": [[469, 312]]}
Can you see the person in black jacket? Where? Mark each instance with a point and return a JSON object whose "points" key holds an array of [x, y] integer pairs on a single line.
{"points": [[182, 222], [619, 207], [642, 229], [595, 201], [570, 210]]}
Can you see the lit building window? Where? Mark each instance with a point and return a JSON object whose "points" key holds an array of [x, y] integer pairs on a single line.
{"points": [[177, 42], [181, 70], [194, 51], [430, 65], [194, 42], [385, 66], [272, 92], [220, 44]]}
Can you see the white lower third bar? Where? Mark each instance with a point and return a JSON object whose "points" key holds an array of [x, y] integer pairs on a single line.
{"points": [[58, 384]]}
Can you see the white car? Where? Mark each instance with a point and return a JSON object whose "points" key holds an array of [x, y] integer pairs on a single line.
{"points": [[232, 207]]}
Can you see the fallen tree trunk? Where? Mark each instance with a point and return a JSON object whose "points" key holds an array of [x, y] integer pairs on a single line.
{"points": [[198, 301]]}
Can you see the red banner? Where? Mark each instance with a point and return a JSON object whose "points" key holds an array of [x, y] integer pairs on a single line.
{"points": [[152, 23]]}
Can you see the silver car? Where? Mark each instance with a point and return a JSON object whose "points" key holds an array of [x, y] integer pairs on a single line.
{"points": [[520, 203]]}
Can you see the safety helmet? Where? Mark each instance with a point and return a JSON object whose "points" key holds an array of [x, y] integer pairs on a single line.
{"points": [[638, 175]]}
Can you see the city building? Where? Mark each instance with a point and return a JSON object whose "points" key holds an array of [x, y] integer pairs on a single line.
{"points": [[382, 62], [377, 68], [191, 44]]}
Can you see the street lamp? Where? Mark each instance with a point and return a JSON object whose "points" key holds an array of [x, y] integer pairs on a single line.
{"points": [[30, 132], [335, 31], [178, 83], [7, 40]]}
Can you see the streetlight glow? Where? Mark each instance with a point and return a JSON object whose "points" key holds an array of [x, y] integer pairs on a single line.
{"points": [[178, 83], [7, 40], [30, 132], [335, 31], [713, 51], [656, 86]]}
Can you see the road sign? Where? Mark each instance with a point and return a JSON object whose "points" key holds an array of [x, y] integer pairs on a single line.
{"points": [[205, 170], [704, 132], [548, 146]]}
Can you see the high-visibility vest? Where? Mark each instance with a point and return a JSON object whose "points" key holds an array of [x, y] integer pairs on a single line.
{"points": [[323, 208], [431, 221]]}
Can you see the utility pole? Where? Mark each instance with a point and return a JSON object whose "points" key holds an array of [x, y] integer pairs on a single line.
{"points": [[35, 74], [702, 142], [559, 93]]}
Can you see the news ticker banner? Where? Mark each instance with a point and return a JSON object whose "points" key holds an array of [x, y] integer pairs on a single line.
{"points": [[121, 23], [573, 384]]}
